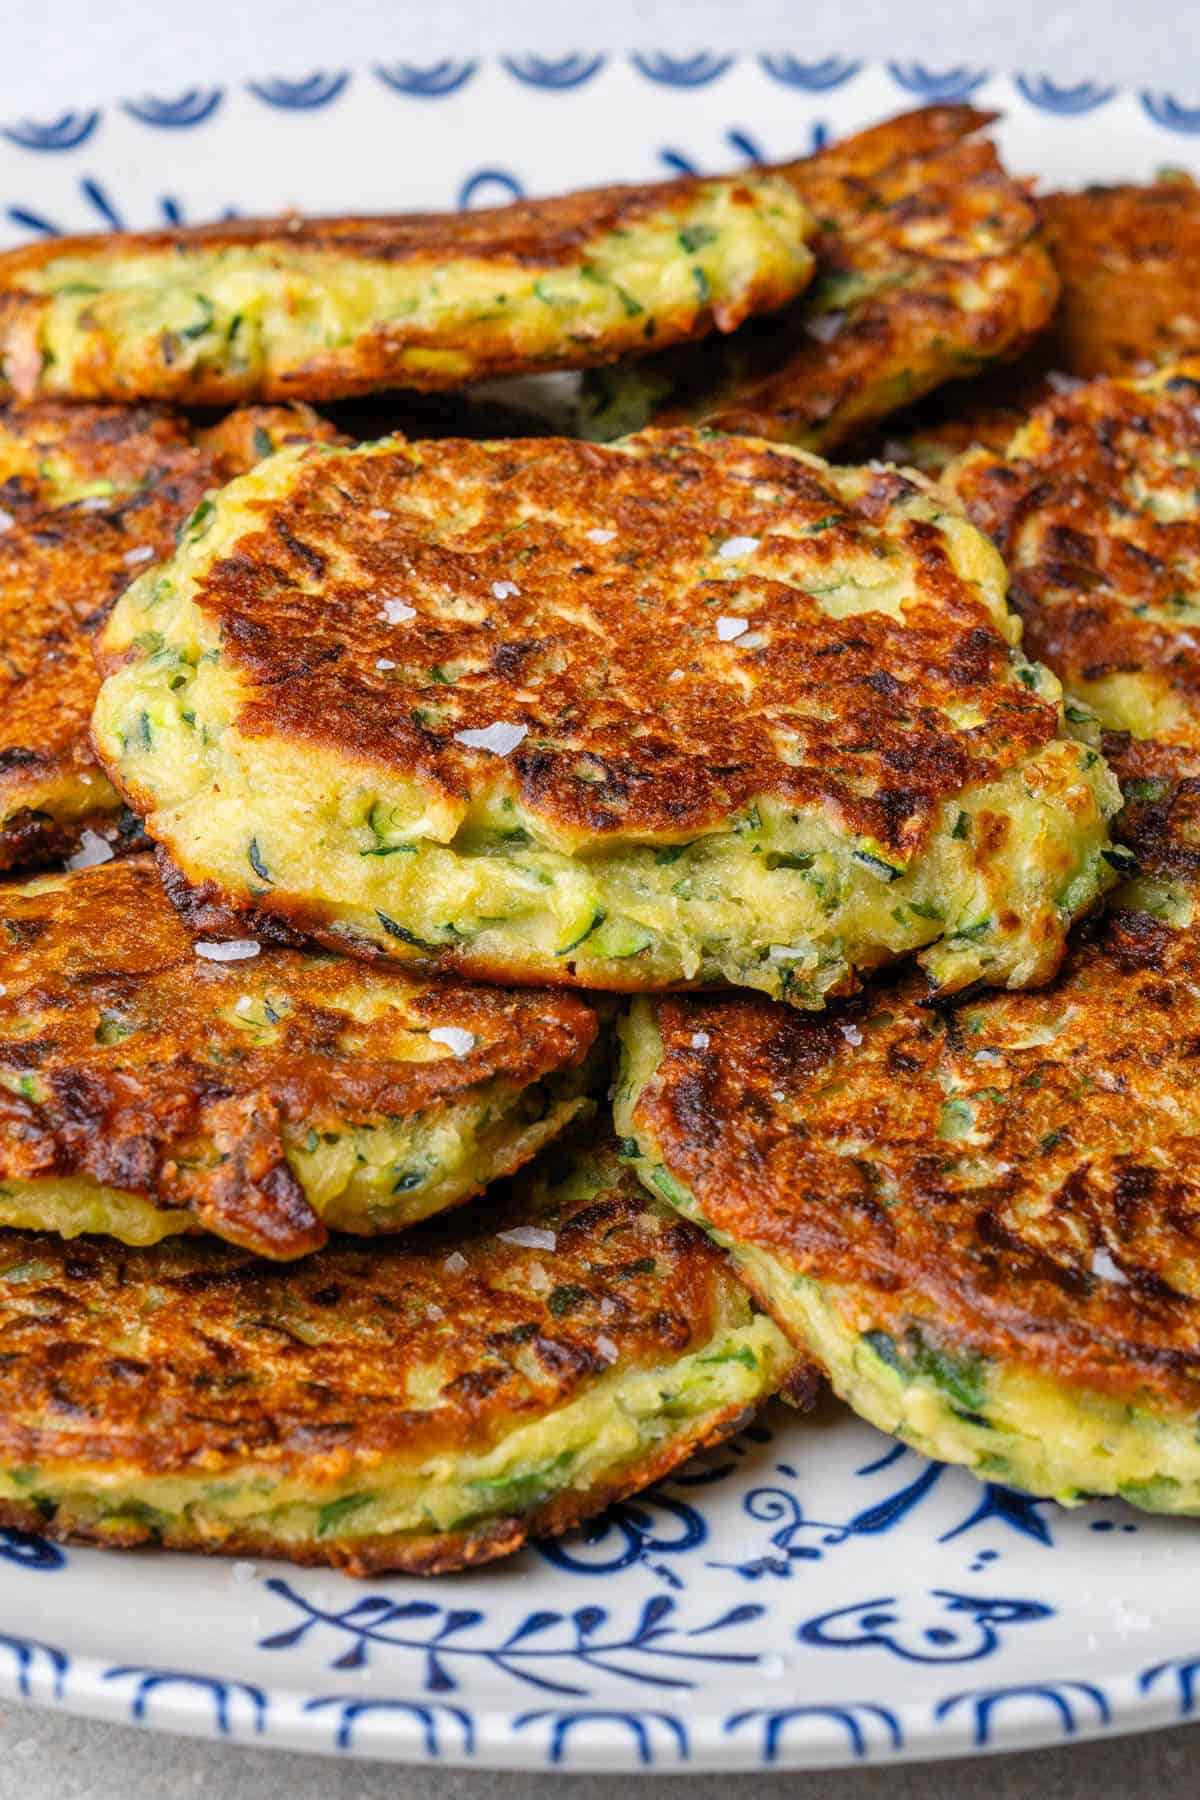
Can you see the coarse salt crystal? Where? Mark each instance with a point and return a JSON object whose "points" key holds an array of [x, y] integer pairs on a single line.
{"points": [[244, 1004], [537, 1280], [434, 1312], [500, 739], [599, 536], [456, 1262], [825, 326], [1104, 1266], [235, 950], [244, 1571], [93, 850], [143, 553], [734, 547], [730, 627], [6, 521], [454, 1037], [606, 1347], [396, 611], [384, 662], [1059, 383], [504, 590], [987, 1056], [607, 1307], [675, 675], [379, 512], [850, 1032], [529, 1237], [700, 1040]]}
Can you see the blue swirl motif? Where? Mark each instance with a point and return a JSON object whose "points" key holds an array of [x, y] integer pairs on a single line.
{"points": [[747, 147], [1072, 1702], [957, 83], [489, 187], [194, 107], [657, 1522], [654, 1525], [799, 1538], [658, 1649], [1171, 113], [940, 1627], [433, 82], [30, 1551], [556, 73], [433, 1716], [814, 77], [646, 1730], [868, 1727], [318, 89], [231, 1702], [1069, 101], [697, 70], [66, 132], [98, 201]]}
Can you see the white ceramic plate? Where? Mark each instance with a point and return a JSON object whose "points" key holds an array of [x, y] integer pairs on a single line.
{"points": [[811, 1594]]}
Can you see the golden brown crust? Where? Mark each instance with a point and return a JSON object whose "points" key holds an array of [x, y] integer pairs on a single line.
{"points": [[583, 654], [61, 567], [928, 268], [1094, 508], [970, 1167], [141, 1074], [90, 490], [436, 1344], [529, 235], [243, 437], [1160, 820], [442, 1553], [1129, 261]]}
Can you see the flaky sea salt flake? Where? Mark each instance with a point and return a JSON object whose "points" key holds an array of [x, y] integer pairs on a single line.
{"points": [[529, 1237], [93, 850], [500, 739], [233, 950]]}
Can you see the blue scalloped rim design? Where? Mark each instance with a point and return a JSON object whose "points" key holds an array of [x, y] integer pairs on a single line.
{"points": [[637, 1680], [562, 75]]}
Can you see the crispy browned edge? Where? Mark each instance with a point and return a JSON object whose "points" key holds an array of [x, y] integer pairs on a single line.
{"points": [[436, 1553], [528, 233]]}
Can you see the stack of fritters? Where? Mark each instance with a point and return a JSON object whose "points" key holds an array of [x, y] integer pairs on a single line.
{"points": [[428, 729]]}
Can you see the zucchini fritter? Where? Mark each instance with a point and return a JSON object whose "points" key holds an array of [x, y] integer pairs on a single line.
{"points": [[151, 1086], [1128, 263], [88, 496], [424, 1405], [317, 308], [1094, 506], [687, 709], [929, 268], [983, 1221]]}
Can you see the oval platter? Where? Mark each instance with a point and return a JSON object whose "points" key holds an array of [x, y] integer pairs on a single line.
{"points": [[811, 1594]]}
